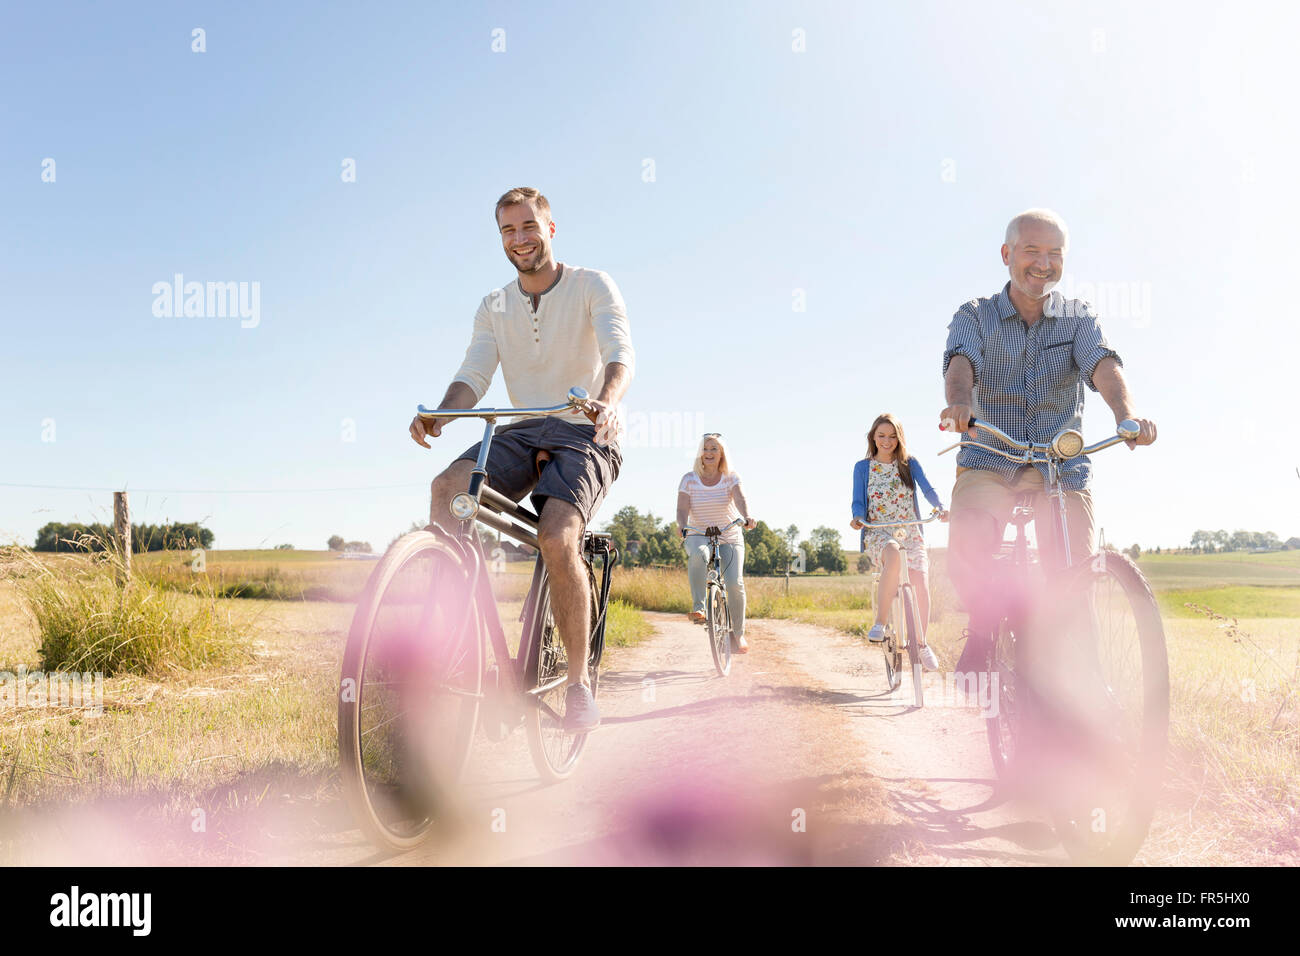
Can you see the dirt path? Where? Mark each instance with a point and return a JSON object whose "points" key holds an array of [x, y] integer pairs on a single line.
{"points": [[800, 756]]}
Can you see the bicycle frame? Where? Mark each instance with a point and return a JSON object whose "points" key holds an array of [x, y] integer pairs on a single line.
{"points": [[904, 578], [481, 504], [714, 536]]}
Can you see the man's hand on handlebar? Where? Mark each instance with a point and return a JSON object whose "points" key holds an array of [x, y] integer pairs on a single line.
{"points": [[957, 418], [605, 418], [1146, 433], [426, 428]]}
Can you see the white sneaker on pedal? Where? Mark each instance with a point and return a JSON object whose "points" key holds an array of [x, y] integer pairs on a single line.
{"points": [[876, 634], [928, 660]]}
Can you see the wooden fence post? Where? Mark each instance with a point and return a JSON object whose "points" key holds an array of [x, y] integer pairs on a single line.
{"points": [[122, 528]]}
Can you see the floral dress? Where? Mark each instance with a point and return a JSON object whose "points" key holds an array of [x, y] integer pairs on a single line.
{"points": [[889, 499]]}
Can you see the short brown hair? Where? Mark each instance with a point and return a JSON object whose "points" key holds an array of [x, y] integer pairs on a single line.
{"points": [[522, 194]]}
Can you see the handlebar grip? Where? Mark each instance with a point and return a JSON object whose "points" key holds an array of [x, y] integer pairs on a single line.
{"points": [[974, 422]]}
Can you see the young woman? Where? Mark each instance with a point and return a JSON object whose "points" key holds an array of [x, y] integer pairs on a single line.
{"points": [[884, 489], [708, 495]]}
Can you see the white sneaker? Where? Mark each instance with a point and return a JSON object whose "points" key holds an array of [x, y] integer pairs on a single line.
{"points": [[876, 634], [928, 660]]}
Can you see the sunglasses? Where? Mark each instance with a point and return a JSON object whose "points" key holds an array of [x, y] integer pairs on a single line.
{"points": [[713, 434]]}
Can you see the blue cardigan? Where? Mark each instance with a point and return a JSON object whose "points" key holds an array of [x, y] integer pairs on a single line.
{"points": [[862, 472]]}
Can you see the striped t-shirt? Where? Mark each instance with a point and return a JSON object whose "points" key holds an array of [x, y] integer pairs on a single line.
{"points": [[712, 504]]}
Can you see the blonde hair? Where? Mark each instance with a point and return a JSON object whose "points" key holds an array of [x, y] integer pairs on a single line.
{"points": [[724, 460], [1046, 217]]}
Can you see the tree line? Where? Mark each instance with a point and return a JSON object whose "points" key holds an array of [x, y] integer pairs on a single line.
{"points": [[74, 536], [644, 540], [1209, 542]]}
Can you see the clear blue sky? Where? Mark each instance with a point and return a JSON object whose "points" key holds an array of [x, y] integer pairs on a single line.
{"points": [[876, 171]]}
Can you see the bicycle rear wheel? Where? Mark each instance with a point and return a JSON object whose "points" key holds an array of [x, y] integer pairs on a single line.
{"points": [[719, 631], [1111, 712], [409, 693], [912, 621], [546, 671]]}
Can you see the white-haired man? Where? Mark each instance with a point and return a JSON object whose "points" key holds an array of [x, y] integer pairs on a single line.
{"points": [[1020, 360]]}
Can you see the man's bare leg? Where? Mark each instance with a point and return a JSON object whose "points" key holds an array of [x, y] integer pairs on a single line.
{"points": [[560, 534]]}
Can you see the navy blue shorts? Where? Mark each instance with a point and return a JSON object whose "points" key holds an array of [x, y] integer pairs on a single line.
{"points": [[579, 472]]}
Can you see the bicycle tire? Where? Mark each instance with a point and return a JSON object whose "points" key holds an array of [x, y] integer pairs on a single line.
{"points": [[893, 653], [912, 621], [1128, 735], [1003, 725], [409, 691], [555, 752], [719, 631]]}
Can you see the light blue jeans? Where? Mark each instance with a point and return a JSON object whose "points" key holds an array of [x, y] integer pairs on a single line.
{"points": [[732, 559]]}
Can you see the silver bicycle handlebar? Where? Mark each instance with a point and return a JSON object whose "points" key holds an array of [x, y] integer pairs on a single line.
{"points": [[934, 516], [577, 398], [692, 530], [1065, 445]]}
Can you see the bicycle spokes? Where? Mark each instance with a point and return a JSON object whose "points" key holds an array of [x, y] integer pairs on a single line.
{"points": [[421, 667]]}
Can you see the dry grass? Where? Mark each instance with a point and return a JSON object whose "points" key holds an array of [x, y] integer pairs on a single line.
{"points": [[218, 737], [88, 620]]}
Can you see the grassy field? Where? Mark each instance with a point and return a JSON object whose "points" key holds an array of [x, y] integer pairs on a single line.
{"points": [[1234, 660], [217, 738], [213, 737]]}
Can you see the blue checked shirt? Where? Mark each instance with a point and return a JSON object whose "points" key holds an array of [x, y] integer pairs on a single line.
{"points": [[1028, 379]]}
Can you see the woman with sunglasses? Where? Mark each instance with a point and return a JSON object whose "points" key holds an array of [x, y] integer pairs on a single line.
{"points": [[710, 495], [884, 490]]}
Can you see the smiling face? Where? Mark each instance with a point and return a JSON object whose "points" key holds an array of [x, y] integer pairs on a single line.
{"points": [[886, 439], [1036, 260], [526, 236], [711, 455]]}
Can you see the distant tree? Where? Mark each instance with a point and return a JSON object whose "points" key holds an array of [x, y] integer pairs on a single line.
{"points": [[1203, 540], [284, 547], [826, 541], [766, 551], [1134, 552], [336, 543], [1221, 540], [809, 555], [361, 547], [1292, 544], [658, 542], [864, 564]]}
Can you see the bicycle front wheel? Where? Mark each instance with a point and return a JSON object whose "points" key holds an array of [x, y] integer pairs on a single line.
{"points": [[409, 693], [546, 673], [719, 632], [1116, 697]]}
